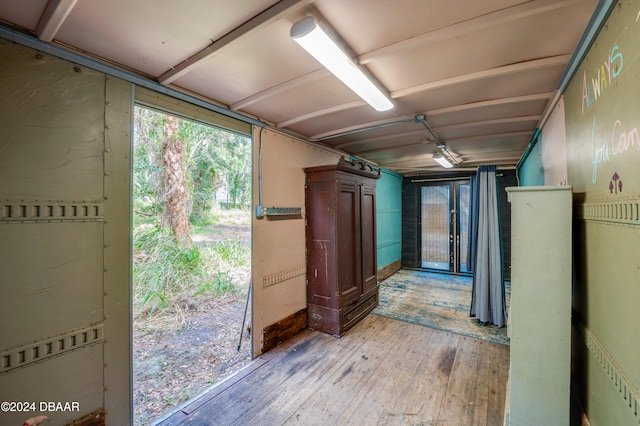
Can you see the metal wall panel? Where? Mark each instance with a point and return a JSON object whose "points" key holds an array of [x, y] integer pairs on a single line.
{"points": [[75, 377], [64, 224], [48, 278], [52, 120]]}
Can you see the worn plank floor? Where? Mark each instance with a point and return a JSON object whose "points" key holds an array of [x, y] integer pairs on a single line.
{"points": [[381, 372]]}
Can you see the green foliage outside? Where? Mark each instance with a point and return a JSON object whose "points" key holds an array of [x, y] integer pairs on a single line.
{"points": [[218, 162]]}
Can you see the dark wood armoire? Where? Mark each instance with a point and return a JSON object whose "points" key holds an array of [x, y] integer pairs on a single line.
{"points": [[342, 285]]}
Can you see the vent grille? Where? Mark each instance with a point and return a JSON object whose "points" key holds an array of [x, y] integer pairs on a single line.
{"points": [[47, 212], [24, 356], [625, 212], [278, 277]]}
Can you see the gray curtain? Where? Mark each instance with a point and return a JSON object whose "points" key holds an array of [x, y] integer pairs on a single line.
{"points": [[488, 296]]}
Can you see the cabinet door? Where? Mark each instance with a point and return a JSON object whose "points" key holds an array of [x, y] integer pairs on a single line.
{"points": [[348, 227], [368, 231], [320, 201]]}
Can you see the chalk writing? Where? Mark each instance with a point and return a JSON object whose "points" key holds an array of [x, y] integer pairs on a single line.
{"points": [[620, 142], [610, 68]]}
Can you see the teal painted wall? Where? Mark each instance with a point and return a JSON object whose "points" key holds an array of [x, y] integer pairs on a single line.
{"points": [[531, 171], [389, 217]]}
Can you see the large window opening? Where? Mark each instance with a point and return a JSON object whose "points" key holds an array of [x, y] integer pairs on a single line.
{"points": [[191, 259]]}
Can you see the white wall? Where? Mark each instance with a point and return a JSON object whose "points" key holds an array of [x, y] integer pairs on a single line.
{"points": [[278, 258]]}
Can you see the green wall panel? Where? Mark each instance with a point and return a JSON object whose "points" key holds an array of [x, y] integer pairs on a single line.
{"points": [[603, 153], [389, 217]]}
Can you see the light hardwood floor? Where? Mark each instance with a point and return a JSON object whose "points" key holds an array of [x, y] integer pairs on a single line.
{"points": [[381, 372]]}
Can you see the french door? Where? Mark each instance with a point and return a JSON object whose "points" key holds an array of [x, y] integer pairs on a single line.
{"points": [[445, 226]]}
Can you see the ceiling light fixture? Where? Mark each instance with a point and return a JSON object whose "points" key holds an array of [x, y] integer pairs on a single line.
{"points": [[442, 160], [308, 34]]}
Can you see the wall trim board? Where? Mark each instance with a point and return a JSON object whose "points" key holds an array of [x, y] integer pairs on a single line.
{"points": [[389, 244], [49, 211], [623, 212], [117, 256], [388, 270], [629, 394], [284, 329], [39, 351], [278, 277]]}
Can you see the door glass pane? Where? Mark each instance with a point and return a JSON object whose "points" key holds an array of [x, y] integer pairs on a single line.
{"points": [[435, 227], [463, 212]]}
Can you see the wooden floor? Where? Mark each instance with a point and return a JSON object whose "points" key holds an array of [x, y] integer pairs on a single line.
{"points": [[381, 372]]}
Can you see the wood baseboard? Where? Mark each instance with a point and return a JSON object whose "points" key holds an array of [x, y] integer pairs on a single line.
{"points": [[283, 330], [386, 271]]}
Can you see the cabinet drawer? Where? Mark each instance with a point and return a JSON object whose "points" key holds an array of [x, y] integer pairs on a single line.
{"points": [[352, 315]]}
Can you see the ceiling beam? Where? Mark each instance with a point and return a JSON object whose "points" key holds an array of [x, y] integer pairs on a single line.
{"points": [[419, 163], [523, 133], [391, 148], [490, 103], [434, 148], [508, 120], [321, 112], [362, 127], [485, 21], [265, 17], [53, 17], [274, 90], [552, 61], [493, 160], [415, 160], [480, 75], [448, 141], [386, 137], [475, 24]]}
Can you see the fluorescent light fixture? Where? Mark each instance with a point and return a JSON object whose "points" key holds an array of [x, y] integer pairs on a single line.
{"points": [[441, 159], [308, 34]]}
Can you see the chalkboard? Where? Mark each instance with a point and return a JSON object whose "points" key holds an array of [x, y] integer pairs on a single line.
{"points": [[602, 107], [602, 112]]}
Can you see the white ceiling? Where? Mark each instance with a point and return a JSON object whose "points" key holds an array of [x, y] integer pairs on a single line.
{"points": [[482, 73]]}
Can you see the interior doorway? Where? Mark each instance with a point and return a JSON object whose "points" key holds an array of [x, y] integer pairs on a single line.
{"points": [[191, 233], [445, 226]]}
